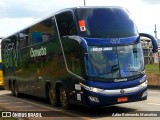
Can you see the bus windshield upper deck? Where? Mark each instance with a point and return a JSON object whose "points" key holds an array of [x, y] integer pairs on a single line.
{"points": [[105, 23]]}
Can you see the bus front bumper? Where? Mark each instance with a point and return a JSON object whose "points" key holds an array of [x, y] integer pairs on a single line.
{"points": [[110, 97]]}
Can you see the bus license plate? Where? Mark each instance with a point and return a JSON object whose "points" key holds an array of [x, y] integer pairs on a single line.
{"points": [[122, 99]]}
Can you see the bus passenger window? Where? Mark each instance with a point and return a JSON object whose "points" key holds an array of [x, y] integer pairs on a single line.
{"points": [[22, 39], [43, 31], [66, 24], [73, 56], [36, 37]]}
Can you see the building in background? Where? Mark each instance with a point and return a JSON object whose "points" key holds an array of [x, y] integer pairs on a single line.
{"points": [[149, 57]]}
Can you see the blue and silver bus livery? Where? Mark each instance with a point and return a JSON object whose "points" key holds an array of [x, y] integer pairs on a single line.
{"points": [[88, 56]]}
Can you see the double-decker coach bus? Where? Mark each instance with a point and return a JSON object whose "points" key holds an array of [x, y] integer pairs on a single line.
{"points": [[84, 55]]}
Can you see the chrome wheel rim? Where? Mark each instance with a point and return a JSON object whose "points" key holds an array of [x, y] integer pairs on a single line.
{"points": [[63, 98], [52, 97]]}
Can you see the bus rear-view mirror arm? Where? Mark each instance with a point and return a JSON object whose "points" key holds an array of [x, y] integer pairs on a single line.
{"points": [[153, 40]]}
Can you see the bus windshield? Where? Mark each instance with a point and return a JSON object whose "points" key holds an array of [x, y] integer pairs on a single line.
{"points": [[105, 23], [114, 62]]}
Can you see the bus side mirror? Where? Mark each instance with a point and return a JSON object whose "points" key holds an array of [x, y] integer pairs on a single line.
{"points": [[153, 40]]}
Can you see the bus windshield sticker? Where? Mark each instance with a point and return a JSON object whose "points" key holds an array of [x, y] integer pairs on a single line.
{"points": [[102, 49], [107, 48], [82, 25]]}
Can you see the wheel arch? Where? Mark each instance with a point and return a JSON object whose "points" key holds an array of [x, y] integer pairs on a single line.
{"points": [[55, 87]]}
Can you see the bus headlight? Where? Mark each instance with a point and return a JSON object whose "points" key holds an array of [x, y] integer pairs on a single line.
{"points": [[144, 84], [92, 89], [96, 90]]}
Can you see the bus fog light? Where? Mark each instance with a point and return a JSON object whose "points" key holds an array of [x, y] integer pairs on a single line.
{"points": [[144, 94], [93, 99], [144, 84]]}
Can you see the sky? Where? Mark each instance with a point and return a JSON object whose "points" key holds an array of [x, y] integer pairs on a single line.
{"points": [[18, 14]]}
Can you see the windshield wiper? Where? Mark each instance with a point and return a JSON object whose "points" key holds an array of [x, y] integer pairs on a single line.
{"points": [[114, 68], [107, 72], [104, 73], [142, 72]]}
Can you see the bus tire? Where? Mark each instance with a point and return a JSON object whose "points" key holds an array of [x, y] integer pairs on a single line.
{"points": [[17, 94], [53, 98], [64, 99], [15, 91]]}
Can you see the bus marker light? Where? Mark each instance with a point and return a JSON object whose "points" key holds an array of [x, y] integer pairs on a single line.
{"points": [[79, 97], [72, 92]]}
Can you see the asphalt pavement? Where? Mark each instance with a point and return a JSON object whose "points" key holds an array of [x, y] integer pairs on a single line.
{"points": [[144, 110]]}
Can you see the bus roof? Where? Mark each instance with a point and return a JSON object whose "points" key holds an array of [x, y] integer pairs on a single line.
{"points": [[84, 7], [63, 10]]}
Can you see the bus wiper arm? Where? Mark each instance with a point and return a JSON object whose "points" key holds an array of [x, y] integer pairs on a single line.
{"points": [[114, 68], [104, 73], [142, 72], [107, 72]]}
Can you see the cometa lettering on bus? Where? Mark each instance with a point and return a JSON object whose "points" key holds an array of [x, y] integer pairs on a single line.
{"points": [[38, 52]]}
